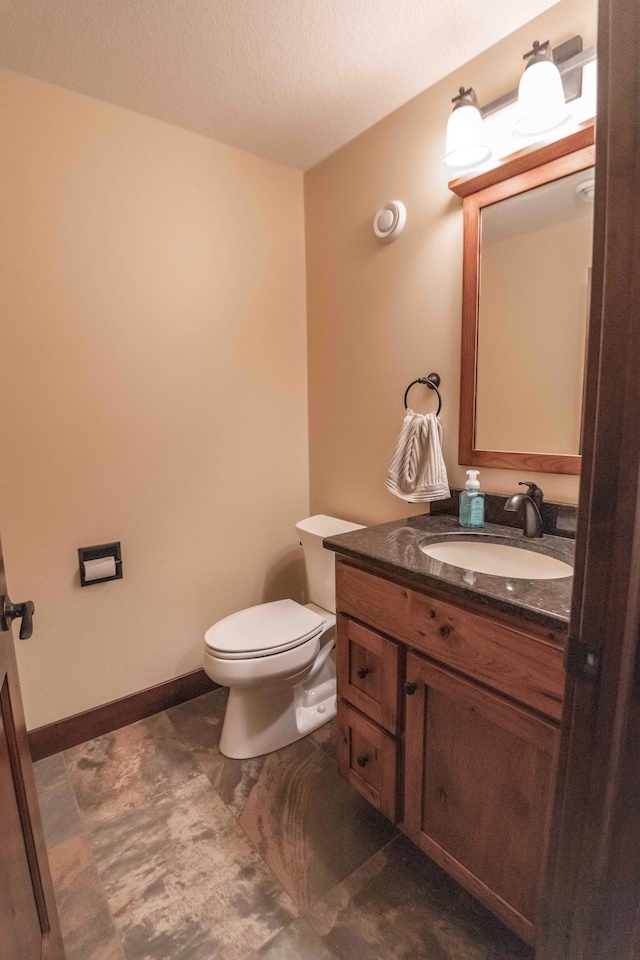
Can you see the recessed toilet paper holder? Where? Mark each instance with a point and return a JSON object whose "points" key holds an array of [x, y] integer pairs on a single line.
{"points": [[101, 551]]}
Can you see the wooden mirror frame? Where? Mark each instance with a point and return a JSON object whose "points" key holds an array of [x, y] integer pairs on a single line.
{"points": [[518, 173]]}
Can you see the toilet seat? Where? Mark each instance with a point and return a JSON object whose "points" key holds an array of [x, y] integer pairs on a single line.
{"points": [[263, 630]]}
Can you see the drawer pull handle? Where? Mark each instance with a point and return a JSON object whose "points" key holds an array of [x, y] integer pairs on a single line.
{"points": [[362, 761], [410, 688], [362, 672]]}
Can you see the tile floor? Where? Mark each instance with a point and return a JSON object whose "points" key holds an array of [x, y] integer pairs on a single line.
{"points": [[163, 849]]}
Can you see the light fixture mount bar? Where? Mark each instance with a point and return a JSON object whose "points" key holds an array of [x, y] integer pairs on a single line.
{"points": [[570, 58], [465, 97], [538, 49]]}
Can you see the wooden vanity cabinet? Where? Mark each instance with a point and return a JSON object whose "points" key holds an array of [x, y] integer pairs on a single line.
{"points": [[437, 730]]}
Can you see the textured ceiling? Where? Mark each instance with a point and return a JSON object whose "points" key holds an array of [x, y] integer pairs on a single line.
{"points": [[288, 79]]}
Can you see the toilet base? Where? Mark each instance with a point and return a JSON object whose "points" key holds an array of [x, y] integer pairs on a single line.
{"points": [[260, 720]]}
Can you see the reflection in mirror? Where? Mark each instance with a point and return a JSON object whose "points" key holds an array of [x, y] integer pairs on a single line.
{"points": [[533, 306]]}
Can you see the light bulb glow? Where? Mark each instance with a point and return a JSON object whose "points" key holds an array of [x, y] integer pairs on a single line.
{"points": [[466, 143], [541, 103]]}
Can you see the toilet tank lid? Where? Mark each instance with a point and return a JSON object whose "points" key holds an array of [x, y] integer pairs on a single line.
{"points": [[321, 526]]}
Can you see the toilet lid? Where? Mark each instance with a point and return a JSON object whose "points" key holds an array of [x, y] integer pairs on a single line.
{"points": [[263, 630]]}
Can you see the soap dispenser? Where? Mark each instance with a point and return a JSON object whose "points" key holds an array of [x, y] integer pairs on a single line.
{"points": [[472, 502]]}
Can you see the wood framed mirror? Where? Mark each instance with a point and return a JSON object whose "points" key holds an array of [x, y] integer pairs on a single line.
{"points": [[528, 236]]}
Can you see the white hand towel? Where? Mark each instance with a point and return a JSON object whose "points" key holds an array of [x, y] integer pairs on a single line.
{"points": [[417, 472]]}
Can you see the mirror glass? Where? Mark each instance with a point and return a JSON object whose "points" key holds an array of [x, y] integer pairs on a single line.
{"points": [[534, 282]]}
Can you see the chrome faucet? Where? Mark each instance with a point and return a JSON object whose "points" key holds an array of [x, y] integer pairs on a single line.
{"points": [[532, 501]]}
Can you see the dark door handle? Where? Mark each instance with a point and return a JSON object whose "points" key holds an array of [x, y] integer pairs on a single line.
{"points": [[362, 761], [362, 672], [18, 611], [410, 688]]}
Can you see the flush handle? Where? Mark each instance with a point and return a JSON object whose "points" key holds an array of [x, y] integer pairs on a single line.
{"points": [[18, 611]]}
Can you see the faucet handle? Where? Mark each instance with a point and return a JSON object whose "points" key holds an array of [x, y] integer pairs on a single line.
{"points": [[533, 491]]}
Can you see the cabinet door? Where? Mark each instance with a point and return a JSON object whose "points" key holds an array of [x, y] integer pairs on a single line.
{"points": [[478, 785]]}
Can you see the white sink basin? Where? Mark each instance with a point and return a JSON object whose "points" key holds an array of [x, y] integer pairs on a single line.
{"points": [[498, 560]]}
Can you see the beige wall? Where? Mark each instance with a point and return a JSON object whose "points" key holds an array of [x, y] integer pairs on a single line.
{"points": [[380, 316], [153, 388]]}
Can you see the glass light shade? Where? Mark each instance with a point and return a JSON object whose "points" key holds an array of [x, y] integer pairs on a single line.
{"points": [[466, 144], [541, 103]]}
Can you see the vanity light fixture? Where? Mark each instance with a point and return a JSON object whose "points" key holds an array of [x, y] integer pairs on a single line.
{"points": [[541, 101], [551, 80], [466, 144]]}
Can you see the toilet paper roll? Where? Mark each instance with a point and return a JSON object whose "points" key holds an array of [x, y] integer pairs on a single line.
{"points": [[97, 569]]}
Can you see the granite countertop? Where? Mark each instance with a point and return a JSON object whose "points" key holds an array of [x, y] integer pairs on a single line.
{"points": [[393, 548]]}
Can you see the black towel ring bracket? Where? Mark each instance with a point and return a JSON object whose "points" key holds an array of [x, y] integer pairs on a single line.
{"points": [[433, 382]]}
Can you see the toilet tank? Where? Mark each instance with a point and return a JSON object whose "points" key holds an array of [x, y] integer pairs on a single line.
{"points": [[320, 563]]}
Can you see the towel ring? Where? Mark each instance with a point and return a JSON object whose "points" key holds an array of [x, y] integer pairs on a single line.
{"points": [[433, 382]]}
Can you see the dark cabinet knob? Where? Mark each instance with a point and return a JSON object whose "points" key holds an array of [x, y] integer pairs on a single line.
{"points": [[362, 672], [410, 688], [445, 630], [362, 761], [18, 611]]}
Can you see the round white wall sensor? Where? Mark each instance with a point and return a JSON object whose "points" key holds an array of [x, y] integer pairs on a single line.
{"points": [[389, 221]]}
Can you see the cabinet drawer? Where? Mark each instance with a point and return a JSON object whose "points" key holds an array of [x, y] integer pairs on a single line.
{"points": [[520, 665], [367, 758], [368, 675]]}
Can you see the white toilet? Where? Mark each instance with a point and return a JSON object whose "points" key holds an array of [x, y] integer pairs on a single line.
{"points": [[276, 657]]}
